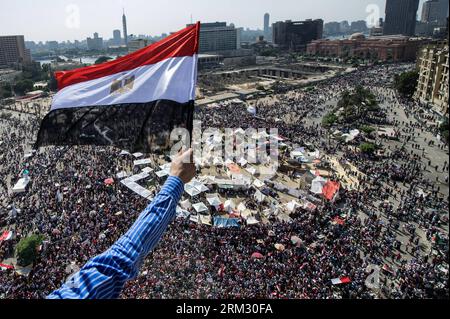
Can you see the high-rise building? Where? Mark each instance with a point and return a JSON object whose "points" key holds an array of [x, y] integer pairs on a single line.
{"points": [[117, 37], [267, 26], [13, 51], [345, 26], [435, 11], [358, 26], [125, 30], [432, 86], [53, 45], [401, 17], [217, 37], [135, 45], [95, 43], [332, 28], [296, 35]]}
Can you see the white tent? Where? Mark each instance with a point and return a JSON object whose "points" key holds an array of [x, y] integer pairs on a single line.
{"points": [[241, 207], [217, 161], [247, 213], [228, 162], [284, 218], [229, 206], [186, 204], [199, 185], [257, 183], [166, 167], [251, 110], [239, 131], [200, 208], [124, 153], [182, 213], [207, 179], [260, 197], [162, 173], [296, 154], [138, 155], [28, 155], [195, 219], [195, 188], [146, 161], [251, 170], [214, 201], [291, 206], [252, 221], [317, 185], [21, 185], [206, 220], [315, 154], [122, 174], [243, 162], [147, 170]]}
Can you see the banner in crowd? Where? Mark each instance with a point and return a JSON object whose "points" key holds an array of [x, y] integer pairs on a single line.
{"points": [[340, 281], [4, 267], [6, 235]]}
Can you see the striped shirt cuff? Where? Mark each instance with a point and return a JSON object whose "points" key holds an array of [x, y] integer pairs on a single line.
{"points": [[174, 186]]}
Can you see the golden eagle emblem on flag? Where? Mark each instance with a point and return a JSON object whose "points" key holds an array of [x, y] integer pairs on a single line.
{"points": [[122, 86]]}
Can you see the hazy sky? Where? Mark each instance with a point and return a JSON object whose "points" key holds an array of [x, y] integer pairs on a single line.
{"points": [[58, 19]]}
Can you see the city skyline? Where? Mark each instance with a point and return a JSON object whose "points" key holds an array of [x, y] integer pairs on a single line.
{"points": [[167, 18]]}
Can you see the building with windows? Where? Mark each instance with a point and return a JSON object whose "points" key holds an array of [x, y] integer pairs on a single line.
{"points": [[295, 35], [95, 43], [381, 48], [117, 37], [267, 26], [401, 17], [218, 36], [432, 86], [134, 45], [358, 26], [13, 51], [332, 28], [435, 11], [125, 28]]}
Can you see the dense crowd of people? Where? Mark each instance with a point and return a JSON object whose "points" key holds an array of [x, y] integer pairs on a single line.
{"points": [[386, 221]]}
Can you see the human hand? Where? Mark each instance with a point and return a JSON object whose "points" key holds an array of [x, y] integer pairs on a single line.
{"points": [[183, 166]]}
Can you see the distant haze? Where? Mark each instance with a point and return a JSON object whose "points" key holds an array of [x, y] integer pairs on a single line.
{"points": [[46, 20]]}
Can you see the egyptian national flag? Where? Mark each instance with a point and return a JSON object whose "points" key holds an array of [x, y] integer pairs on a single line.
{"points": [[340, 281], [133, 102], [5, 267], [6, 235]]}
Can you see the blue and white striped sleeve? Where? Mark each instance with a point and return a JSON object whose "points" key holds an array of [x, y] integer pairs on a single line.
{"points": [[104, 276]]}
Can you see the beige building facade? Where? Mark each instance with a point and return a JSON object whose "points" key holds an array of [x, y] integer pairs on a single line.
{"points": [[432, 86]]}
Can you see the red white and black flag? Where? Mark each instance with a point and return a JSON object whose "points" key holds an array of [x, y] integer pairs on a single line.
{"points": [[133, 102]]}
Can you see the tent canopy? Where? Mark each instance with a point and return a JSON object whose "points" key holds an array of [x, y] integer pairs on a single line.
{"points": [[200, 208]]}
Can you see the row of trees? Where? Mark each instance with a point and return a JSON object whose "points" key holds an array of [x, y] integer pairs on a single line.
{"points": [[356, 108], [406, 83], [20, 87]]}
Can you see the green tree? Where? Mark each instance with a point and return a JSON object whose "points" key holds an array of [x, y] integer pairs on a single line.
{"points": [[368, 148], [23, 86], [367, 129], [102, 59], [406, 83], [5, 91], [52, 84], [444, 129], [329, 119], [26, 250]]}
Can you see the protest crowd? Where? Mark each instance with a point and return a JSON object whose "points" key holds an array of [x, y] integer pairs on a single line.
{"points": [[395, 218]]}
